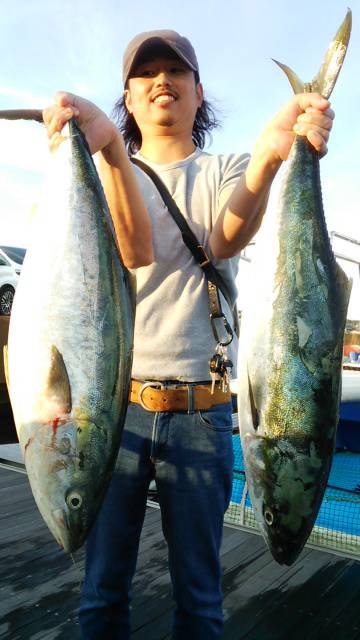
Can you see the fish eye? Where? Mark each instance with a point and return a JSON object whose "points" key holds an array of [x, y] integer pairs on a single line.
{"points": [[74, 500], [269, 517]]}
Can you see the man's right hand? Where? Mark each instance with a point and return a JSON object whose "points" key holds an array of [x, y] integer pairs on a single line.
{"points": [[99, 131]]}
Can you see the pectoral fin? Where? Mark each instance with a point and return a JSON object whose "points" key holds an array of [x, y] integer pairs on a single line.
{"points": [[58, 388], [254, 411]]}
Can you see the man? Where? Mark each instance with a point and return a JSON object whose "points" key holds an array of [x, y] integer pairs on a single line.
{"points": [[186, 448]]}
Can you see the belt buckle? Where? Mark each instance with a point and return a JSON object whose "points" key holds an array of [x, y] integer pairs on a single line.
{"points": [[191, 398], [159, 385], [154, 385]]}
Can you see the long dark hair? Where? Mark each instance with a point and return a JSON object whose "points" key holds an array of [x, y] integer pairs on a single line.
{"points": [[205, 121]]}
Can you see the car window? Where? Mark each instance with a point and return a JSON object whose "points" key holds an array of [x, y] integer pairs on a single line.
{"points": [[14, 253], [3, 262]]}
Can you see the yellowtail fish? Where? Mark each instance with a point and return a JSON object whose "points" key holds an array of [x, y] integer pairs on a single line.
{"points": [[70, 346], [291, 347]]}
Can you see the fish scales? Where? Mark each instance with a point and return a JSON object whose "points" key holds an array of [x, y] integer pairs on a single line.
{"points": [[70, 346], [291, 356], [308, 319]]}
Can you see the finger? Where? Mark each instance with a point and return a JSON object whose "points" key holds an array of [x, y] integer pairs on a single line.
{"points": [[318, 142], [55, 141], [47, 115], [303, 129], [306, 100], [64, 99], [329, 112], [58, 119], [315, 118], [312, 113]]}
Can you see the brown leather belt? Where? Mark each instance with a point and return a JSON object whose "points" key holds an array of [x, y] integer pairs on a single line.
{"points": [[187, 397]]}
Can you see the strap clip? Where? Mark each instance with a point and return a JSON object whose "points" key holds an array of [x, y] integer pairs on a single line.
{"points": [[228, 329], [206, 260]]}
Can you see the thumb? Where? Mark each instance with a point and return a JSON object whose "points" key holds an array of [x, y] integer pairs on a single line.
{"points": [[65, 99]]}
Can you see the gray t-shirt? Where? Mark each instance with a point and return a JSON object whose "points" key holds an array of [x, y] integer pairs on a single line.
{"points": [[173, 335]]}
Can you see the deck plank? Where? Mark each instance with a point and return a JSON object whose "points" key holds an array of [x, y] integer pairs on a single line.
{"points": [[327, 611], [290, 596], [316, 598]]}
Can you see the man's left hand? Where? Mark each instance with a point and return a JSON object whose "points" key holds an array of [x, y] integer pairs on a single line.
{"points": [[307, 114]]}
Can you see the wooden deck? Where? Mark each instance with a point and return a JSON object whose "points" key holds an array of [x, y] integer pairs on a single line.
{"points": [[315, 599]]}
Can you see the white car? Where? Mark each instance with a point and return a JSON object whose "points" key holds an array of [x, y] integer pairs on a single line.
{"points": [[15, 256], [8, 281]]}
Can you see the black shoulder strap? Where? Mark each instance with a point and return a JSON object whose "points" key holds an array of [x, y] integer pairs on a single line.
{"points": [[214, 278]]}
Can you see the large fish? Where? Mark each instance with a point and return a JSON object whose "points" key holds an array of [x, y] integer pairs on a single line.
{"points": [[291, 348], [70, 346]]}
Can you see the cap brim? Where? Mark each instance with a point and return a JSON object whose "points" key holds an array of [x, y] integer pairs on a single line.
{"points": [[153, 42]]}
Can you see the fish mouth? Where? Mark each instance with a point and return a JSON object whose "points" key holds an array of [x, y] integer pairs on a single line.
{"points": [[60, 527], [284, 545], [69, 515], [69, 538], [69, 522], [286, 553]]}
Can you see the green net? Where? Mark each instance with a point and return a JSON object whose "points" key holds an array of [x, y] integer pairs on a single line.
{"points": [[337, 527]]}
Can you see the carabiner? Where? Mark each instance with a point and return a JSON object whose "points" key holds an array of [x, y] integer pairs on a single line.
{"points": [[228, 329]]}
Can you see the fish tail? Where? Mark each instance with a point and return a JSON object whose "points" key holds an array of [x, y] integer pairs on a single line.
{"points": [[22, 114], [325, 80], [297, 84]]}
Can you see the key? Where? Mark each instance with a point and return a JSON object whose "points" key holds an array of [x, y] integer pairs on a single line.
{"points": [[226, 364], [213, 381], [216, 363], [225, 382], [219, 364], [215, 370]]}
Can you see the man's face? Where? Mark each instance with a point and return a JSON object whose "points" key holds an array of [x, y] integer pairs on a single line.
{"points": [[162, 96]]}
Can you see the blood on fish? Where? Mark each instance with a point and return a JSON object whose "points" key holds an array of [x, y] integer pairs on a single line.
{"points": [[55, 423]]}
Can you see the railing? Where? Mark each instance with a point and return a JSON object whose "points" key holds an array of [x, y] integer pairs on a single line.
{"points": [[335, 234]]}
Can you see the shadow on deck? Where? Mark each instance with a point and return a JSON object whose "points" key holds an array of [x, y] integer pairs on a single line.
{"points": [[317, 598]]}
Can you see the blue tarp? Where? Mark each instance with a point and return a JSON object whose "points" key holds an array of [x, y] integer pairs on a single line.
{"points": [[340, 509]]}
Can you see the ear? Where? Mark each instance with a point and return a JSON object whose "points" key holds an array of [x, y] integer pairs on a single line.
{"points": [[127, 99], [200, 93]]}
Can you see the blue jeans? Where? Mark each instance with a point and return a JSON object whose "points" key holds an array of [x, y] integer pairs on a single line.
{"points": [[190, 456]]}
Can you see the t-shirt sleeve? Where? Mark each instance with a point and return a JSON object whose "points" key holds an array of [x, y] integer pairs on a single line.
{"points": [[233, 166]]}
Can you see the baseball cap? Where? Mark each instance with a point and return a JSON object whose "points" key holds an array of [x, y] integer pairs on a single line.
{"points": [[179, 44]]}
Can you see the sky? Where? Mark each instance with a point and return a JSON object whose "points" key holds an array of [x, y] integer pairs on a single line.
{"points": [[77, 46]]}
